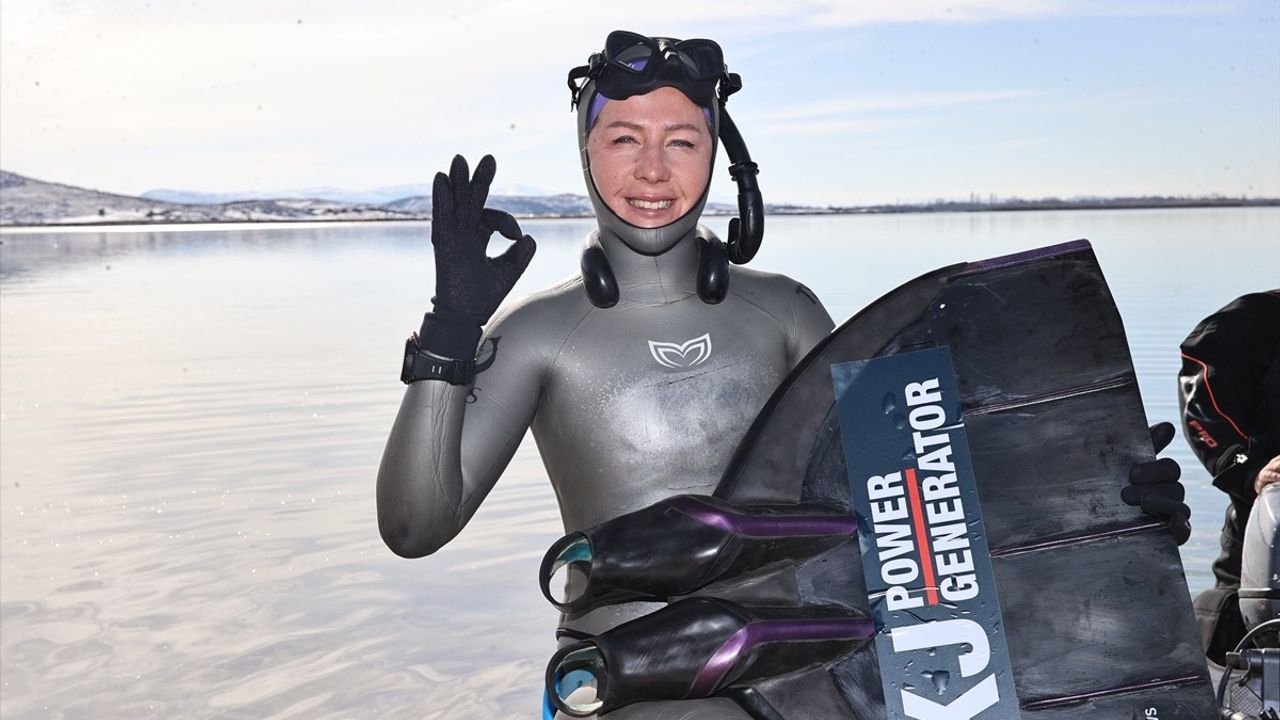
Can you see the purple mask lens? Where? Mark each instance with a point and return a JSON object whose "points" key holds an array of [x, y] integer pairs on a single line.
{"points": [[638, 64]]}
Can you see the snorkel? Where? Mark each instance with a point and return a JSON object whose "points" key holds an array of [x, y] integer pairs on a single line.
{"points": [[634, 64]]}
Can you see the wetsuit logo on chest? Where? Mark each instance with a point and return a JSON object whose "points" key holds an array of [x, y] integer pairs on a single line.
{"points": [[682, 355]]}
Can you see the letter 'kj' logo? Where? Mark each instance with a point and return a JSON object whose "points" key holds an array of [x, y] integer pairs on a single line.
{"points": [[682, 355]]}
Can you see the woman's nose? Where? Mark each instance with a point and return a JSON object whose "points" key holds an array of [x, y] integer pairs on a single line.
{"points": [[652, 165]]}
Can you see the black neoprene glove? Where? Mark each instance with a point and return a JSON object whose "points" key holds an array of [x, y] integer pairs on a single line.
{"points": [[1154, 487], [469, 284]]}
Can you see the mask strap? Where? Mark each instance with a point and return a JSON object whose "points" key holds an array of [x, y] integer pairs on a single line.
{"points": [[576, 74], [730, 83], [590, 70]]}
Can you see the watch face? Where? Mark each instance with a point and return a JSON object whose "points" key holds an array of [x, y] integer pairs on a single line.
{"points": [[406, 369]]}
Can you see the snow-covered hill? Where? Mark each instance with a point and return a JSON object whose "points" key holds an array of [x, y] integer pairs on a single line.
{"points": [[377, 196], [518, 205], [27, 201]]}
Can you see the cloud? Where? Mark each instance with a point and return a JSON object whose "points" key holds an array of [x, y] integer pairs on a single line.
{"points": [[848, 126], [889, 103], [890, 11], [872, 113], [834, 13]]}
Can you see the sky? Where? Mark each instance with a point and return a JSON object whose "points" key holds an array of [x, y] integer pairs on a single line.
{"points": [[846, 103]]}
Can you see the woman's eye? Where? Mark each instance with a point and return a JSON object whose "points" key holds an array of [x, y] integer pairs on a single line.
{"points": [[624, 140], [682, 143]]}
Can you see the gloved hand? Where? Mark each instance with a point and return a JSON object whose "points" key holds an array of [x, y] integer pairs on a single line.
{"points": [[469, 284], [1154, 487]]}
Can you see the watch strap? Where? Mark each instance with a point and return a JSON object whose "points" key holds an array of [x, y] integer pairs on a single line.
{"points": [[421, 365]]}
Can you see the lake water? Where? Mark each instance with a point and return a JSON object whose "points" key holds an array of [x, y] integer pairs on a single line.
{"points": [[192, 419]]}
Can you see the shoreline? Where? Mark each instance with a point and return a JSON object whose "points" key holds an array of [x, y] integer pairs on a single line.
{"points": [[783, 211]]}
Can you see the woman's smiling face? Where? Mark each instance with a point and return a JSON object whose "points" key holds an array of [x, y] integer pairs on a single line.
{"points": [[650, 156]]}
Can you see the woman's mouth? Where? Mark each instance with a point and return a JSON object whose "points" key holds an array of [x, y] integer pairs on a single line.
{"points": [[650, 204]]}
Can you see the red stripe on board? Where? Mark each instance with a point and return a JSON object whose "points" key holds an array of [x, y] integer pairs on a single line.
{"points": [[1205, 369], [922, 539]]}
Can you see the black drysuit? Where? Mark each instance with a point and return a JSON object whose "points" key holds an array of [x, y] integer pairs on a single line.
{"points": [[1230, 394]]}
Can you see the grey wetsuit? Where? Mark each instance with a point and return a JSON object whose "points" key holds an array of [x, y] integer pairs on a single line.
{"points": [[629, 404]]}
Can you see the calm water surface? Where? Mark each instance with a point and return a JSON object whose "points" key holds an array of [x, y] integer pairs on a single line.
{"points": [[192, 420]]}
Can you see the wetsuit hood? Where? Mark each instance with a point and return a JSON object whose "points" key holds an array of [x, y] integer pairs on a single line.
{"points": [[618, 235], [632, 65]]}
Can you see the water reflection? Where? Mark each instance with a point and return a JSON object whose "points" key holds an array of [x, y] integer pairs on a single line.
{"points": [[25, 253], [190, 440]]}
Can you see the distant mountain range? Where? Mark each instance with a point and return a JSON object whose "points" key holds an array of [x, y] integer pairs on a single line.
{"points": [[26, 201], [377, 196]]}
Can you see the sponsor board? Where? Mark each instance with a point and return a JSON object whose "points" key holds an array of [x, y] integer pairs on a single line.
{"points": [[941, 644]]}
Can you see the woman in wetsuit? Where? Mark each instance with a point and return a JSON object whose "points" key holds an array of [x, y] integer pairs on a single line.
{"points": [[639, 376]]}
